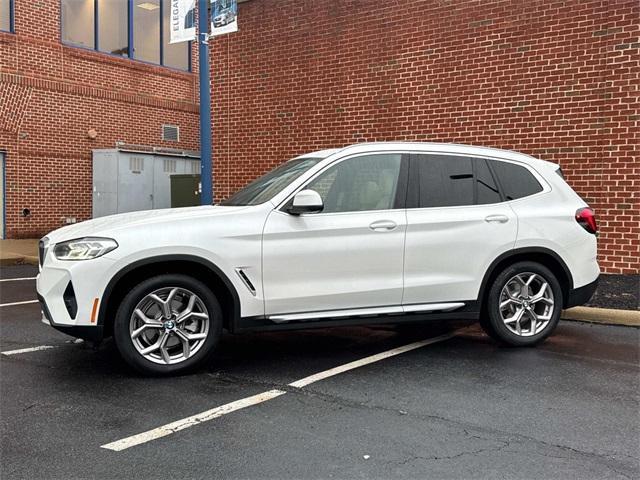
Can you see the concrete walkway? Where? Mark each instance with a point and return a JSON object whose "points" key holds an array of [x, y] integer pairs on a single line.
{"points": [[14, 252]]}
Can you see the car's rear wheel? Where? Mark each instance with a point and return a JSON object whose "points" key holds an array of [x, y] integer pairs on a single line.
{"points": [[168, 324], [523, 305]]}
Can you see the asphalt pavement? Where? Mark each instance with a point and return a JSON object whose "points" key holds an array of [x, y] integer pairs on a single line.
{"points": [[461, 407]]}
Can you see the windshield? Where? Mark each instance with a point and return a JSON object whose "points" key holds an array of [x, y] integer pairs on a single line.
{"points": [[269, 185]]}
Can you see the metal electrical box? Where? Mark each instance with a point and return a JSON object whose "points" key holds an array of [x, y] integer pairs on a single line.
{"points": [[126, 181]]}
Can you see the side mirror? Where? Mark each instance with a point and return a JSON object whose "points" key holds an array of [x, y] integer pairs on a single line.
{"points": [[306, 201]]}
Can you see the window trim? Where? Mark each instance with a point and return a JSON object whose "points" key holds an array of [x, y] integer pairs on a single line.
{"points": [[413, 194], [12, 26], [399, 202], [130, 38]]}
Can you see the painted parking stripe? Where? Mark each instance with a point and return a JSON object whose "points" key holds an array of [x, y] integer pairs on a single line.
{"points": [[367, 360], [178, 425], [16, 279], [174, 427], [27, 350], [18, 303]]}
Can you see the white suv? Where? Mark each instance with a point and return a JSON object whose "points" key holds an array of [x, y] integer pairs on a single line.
{"points": [[370, 233]]}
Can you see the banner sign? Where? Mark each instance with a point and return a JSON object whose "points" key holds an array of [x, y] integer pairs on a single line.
{"points": [[224, 16], [182, 20]]}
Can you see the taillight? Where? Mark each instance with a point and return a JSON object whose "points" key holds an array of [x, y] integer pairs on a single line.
{"points": [[587, 219]]}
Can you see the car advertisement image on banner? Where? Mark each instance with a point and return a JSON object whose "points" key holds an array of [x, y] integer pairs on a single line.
{"points": [[224, 16], [183, 21]]}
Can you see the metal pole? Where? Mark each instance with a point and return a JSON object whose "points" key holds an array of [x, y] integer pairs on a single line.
{"points": [[206, 161]]}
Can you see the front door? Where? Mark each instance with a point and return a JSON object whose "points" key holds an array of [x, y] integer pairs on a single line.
{"points": [[348, 256]]}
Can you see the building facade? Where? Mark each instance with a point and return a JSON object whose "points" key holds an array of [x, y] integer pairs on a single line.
{"points": [[558, 79], [78, 76]]}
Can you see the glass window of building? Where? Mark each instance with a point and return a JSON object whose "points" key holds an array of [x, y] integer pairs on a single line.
{"points": [[77, 22], [113, 27], [6, 10], [108, 26], [146, 30], [173, 55]]}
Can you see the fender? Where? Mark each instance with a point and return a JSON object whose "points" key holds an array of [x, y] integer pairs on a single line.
{"points": [[104, 301], [518, 252]]}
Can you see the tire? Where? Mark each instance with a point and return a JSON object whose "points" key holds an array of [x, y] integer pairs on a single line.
{"points": [[512, 305], [155, 313]]}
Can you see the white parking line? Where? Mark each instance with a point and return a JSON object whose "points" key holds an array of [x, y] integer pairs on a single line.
{"points": [[27, 350], [174, 427], [18, 303], [16, 279], [178, 425], [367, 360]]}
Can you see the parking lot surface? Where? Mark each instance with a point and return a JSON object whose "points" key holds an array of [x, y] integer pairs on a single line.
{"points": [[458, 407]]}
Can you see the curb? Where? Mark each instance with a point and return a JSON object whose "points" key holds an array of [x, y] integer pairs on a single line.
{"points": [[12, 260], [605, 316]]}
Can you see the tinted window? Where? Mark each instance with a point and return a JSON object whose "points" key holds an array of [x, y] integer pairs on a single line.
{"points": [[486, 188], [368, 182], [174, 55], [445, 181], [516, 181]]}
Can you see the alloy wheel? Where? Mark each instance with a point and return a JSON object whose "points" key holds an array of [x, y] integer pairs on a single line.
{"points": [[526, 304], [169, 325]]}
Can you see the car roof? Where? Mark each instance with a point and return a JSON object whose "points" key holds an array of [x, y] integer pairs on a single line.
{"points": [[434, 148]]}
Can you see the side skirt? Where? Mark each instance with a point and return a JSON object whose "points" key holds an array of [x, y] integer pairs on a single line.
{"points": [[262, 323]]}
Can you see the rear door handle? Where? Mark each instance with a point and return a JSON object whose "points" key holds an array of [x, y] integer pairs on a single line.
{"points": [[497, 218], [383, 226]]}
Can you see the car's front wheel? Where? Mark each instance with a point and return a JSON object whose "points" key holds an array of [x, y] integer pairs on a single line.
{"points": [[167, 324], [523, 305]]}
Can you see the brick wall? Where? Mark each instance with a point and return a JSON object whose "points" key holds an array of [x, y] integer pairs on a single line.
{"points": [[51, 95], [555, 79]]}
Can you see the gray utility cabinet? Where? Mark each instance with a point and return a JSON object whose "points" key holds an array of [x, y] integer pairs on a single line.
{"points": [[126, 181]]}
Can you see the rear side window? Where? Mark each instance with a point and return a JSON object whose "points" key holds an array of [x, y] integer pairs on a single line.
{"points": [[444, 181], [486, 187], [516, 181], [451, 181]]}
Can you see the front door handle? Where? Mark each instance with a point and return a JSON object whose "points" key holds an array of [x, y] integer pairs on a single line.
{"points": [[497, 218], [383, 226]]}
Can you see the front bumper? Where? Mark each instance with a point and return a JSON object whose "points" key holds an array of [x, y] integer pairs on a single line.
{"points": [[70, 294], [92, 333], [581, 295]]}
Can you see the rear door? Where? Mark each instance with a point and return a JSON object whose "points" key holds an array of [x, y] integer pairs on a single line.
{"points": [[457, 224]]}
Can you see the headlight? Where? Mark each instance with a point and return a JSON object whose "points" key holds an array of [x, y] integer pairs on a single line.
{"points": [[84, 248]]}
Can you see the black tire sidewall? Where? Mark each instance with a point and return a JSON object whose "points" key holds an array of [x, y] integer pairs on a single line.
{"points": [[494, 320], [123, 340]]}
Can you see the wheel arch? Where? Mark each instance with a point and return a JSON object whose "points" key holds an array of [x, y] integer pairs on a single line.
{"points": [[544, 256], [197, 267]]}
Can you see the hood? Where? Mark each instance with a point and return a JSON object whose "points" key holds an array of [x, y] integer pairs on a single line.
{"points": [[110, 225]]}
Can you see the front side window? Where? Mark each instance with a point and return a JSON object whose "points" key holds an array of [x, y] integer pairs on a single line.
{"points": [[516, 181], [367, 182], [6, 15], [109, 26]]}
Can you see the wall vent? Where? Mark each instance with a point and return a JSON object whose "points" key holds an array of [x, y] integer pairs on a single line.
{"points": [[136, 164], [195, 168], [171, 133], [170, 165]]}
